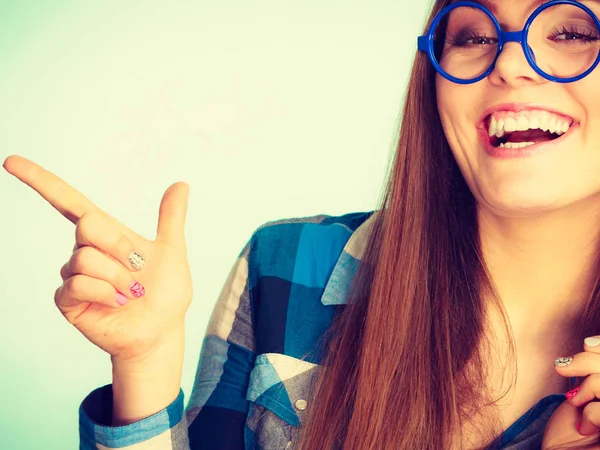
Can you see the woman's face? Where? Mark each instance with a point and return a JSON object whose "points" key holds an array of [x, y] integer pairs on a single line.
{"points": [[514, 181]]}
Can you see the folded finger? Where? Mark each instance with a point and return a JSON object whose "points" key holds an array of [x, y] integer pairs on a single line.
{"points": [[590, 421], [587, 391], [65, 272], [97, 230], [81, 289], [93, 263]]}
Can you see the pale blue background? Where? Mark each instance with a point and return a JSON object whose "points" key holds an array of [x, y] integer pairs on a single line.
{"points": [[268, 109]]}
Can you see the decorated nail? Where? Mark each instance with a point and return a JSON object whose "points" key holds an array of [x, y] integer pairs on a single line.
{"points": [[563, 361], [136, 260], [572, 393], [137, 289]]}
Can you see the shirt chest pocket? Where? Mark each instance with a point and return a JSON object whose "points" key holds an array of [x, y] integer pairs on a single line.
{"points": [[279, 390]]}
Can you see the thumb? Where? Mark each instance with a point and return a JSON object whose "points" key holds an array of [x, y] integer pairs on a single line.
{"points": [[172, 213]]}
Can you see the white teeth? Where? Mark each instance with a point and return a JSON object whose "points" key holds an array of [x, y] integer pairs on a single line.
{"points": [[510, 125], [522, 123], [559, 127], [552, 125], [500, 129], [516, 144], [493, 126], [544, 120], [534, 121], [503, 123], [562, 127]]}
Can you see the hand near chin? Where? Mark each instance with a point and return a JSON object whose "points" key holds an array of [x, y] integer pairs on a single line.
{"points": [[576, 422]]}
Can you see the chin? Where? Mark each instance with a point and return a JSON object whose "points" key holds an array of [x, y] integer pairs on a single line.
{"points": [[521, 203]]}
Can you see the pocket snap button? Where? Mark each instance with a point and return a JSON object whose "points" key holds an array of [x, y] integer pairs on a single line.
{"points": [[301, 404]]}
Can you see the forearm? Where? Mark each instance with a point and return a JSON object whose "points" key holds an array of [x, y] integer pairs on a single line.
{"points": [[143, 388]]}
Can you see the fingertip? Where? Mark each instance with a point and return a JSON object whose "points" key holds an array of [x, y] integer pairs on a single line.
{"points": [[587, 429], [6, 162]]}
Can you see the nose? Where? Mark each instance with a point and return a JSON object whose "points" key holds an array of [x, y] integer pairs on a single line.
{"points": [[512, 68]]}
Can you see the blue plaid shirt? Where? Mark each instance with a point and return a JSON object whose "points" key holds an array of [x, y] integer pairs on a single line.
{"points": [[260, 355]]}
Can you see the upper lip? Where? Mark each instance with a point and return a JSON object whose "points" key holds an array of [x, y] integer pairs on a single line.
{"points": [[518, 107]]}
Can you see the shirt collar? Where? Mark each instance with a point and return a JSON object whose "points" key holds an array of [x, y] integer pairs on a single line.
{"points": [[337, 289]]}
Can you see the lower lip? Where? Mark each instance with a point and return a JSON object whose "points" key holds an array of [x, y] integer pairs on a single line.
{"points": [[532, 150]]}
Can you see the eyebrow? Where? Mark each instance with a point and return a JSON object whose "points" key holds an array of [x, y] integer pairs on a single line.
{"points": [[491, 5]]}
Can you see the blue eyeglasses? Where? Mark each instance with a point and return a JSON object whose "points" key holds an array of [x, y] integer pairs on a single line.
{"points": [[561, 41]]}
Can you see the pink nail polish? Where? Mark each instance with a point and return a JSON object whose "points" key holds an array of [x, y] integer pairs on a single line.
{"points": [[137, 289], [579, 428], [121, 299], [572, 393]]}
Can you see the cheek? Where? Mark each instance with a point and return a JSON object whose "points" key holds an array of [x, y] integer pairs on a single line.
{"points": [[456, 106], [444, 96], [586, 93]]}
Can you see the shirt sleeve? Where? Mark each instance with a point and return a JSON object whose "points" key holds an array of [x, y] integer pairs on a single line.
{"points": [[216, 414]]}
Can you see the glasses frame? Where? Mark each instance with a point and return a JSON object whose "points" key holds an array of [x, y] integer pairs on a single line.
{"points": [[425, 43]]}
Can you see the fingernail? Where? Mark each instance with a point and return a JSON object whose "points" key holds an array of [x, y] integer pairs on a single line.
{"points": [[121, 299], [136, 260], [137, 289], [591, 341], [563, 361], [572, 393]]}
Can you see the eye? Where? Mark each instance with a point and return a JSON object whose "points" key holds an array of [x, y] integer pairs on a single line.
{"points": [[472, 39], [574, 34]]}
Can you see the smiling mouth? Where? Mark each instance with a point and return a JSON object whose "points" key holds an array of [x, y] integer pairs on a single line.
{"points": [[525, 128], [521, 139]]}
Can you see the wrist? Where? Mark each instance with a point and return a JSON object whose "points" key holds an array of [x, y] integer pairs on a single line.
{"points": [[170, 345], [149, 383]]}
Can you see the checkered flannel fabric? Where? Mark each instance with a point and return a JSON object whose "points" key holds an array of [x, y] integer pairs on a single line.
{"points": [[262, 349]]}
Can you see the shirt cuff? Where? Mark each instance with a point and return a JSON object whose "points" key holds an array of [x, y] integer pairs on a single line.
{"points": [[95, 418]]}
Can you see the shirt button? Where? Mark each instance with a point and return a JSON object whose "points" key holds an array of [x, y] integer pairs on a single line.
{"points": [[301, 404]]}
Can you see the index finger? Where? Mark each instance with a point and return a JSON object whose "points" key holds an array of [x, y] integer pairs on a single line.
{"points": [[63, 197]]}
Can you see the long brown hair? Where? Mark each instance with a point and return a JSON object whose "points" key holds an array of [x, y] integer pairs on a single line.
{"points": [[395, 375]]}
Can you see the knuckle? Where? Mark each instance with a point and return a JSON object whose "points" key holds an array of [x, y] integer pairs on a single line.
{"points": [[75, 285], [592, 413], [64, 271], [125, 281], [57, 295], [82, 259], [86, 225], [84, 221], [593, 379], [123, 243]]}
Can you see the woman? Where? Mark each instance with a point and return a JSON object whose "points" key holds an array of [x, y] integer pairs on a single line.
{"points": [[431, 323]]}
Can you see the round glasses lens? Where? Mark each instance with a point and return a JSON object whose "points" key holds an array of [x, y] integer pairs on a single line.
{"points": [[564, 40], [466, 42]]}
